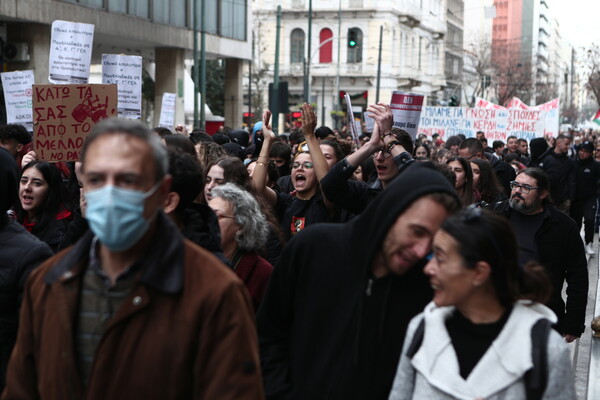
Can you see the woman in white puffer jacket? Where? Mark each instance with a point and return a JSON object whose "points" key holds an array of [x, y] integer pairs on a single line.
{"points": [[474, 340]]}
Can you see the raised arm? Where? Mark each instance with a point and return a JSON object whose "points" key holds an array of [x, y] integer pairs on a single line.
{"points": [[309, 123], [259, 178]]}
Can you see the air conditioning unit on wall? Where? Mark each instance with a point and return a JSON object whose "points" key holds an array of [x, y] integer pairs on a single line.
{"points": [[15, 52]]}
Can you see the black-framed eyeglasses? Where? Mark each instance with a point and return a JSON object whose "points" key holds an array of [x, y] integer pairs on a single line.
{"points": [[514, 185], [305, 165], [384, 153]]}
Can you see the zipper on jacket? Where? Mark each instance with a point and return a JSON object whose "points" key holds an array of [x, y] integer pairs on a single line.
{"points": [[369, 286]]}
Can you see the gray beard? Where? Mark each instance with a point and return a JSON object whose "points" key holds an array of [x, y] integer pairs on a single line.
{"points": [[521, 207]]}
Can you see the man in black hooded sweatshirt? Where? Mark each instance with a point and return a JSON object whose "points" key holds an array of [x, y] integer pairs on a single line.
{"points": [[336, 310]]}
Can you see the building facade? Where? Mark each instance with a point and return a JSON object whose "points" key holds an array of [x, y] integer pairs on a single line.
{"points": [[161, 31], [345, 50]]}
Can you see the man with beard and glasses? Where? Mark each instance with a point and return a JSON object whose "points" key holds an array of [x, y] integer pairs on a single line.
{"points": [[551, 238]]}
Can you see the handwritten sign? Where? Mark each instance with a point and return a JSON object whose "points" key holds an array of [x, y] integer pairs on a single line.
{"points": [[406, 108], [126, 73], [369, 122], [17, 97], [70, 52], [63, 115], [167, 111]]}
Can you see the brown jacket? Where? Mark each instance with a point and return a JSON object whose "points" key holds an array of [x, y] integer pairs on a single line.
{"points": [[186, 331]]}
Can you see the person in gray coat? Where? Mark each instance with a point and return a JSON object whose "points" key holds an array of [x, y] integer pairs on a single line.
{"points": [[478, 337]]}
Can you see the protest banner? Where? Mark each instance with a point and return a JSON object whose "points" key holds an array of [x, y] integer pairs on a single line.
{"points": [[167, 111], [354, 130], [17, 97], [63, 115], [406, 108], [126, 73], [70, 52]]}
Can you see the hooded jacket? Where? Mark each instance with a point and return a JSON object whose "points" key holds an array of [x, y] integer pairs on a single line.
{"points": [[326, 328], [433, 371]]}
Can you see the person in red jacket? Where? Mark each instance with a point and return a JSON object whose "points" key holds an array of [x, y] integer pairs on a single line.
{"points": [[244, 233]]}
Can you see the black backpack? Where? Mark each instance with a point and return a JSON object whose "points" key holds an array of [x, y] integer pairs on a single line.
{"points": [[536, 378]]}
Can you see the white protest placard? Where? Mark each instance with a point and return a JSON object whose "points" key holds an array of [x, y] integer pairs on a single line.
{"points": [[406, 108], [167, 111], [70, 52], [369, 122], [351, 124], [126, 73], [17, 97]]}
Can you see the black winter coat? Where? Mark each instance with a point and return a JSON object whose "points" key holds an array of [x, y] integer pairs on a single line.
{"points": [[20, 253], [587, 178], [561, 252], [561, 174]]}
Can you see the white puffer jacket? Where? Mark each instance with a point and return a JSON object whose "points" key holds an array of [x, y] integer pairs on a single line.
{"points": [[433, 372]]}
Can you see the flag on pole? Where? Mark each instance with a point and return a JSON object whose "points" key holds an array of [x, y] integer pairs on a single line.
{"points": [[597, 117]]}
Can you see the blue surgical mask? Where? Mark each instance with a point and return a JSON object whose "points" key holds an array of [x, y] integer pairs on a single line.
{"points": [[116, 215]]}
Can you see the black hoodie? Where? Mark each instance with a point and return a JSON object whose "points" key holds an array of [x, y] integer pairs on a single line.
{"points": [[321, 336]]}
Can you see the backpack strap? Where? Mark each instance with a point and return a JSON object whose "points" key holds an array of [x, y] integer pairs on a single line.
{"points": [[417, 339], [536, 378]]}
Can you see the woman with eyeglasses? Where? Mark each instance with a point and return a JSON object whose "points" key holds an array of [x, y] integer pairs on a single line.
{"points": [[305, 205], [486, 334], [244, 234]]}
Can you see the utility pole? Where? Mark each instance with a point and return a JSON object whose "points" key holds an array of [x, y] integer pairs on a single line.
{"points": [[379, 64], [250, 83], [308, 54], [323, 103], [336, 102], [275, 111], [196, 71], [203, 66]]}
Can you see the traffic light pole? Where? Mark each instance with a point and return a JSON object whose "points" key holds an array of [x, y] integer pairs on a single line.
{"points": [[203, 66], [307, 71], [275, 111], [379, 64], [196, 70]]}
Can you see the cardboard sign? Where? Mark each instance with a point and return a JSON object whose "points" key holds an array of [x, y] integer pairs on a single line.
{"points": [[126, 73], [63, 115], [70, 52], [406, 108], [17, 97], [167, 111]]}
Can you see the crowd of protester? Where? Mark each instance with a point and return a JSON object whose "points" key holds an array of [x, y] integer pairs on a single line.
{"points": [[374, 266]]}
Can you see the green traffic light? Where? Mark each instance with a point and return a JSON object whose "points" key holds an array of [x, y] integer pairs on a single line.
{"points": [[352, 43]]}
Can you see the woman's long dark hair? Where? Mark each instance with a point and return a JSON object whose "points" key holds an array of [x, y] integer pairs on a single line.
{"points": [[485, 236], [466, 196], [54, 200], [489, 187]]}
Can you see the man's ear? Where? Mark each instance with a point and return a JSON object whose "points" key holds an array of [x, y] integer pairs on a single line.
{"points": [[171, 202], [542, 194]]}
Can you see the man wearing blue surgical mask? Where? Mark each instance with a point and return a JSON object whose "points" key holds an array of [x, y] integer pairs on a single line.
{"points": [[133, 295]]}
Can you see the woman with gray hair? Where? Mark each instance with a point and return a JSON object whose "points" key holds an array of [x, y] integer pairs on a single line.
{"points": [[244, 233]]}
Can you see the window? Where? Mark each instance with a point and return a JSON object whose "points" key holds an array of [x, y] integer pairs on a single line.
{"points": [[326, 43], [355, 44], [297, 46]]}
